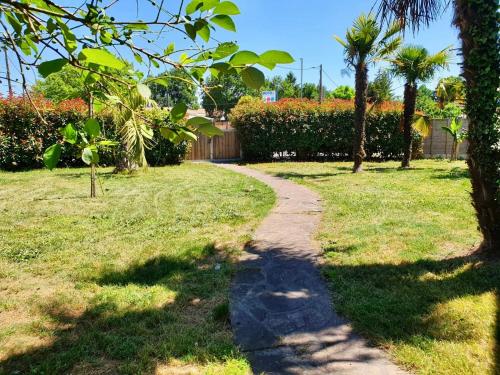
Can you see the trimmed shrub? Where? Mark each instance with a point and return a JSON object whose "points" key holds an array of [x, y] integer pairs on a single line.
{"points": [[24, 137], [306, 130]]}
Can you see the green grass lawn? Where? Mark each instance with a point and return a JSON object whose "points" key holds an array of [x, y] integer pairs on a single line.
{"points": [[135, 281], [398, 247]]}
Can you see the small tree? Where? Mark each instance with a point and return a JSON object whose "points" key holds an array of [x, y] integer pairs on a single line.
{"points": [[364, 44], [458, 135]]}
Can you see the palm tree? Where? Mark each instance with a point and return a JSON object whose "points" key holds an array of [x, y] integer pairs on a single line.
{"points": [[450, 90], [478, 26], [365, 43], [414, 64]]}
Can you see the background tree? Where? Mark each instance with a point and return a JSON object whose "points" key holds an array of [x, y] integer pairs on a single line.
{"points": [[285, 87], [342, 92], [172, 87], [380, 89], [477, 22], [223, 93], [310, 91], [414, 64], [364, 44], [62, 85], [450, 90]]}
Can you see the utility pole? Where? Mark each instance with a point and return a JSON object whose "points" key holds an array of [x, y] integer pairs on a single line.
{"points": [[9, 82], [321, 93], [301, 76]]}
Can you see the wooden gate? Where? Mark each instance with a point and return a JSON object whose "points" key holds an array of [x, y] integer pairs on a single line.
{"points": [[216, 148]]}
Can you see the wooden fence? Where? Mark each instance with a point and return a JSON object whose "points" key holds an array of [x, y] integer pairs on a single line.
{"points": [[224, 147], [439, 143]]}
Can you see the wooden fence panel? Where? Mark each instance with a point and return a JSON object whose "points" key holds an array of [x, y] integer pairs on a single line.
{"points": [[216, 148]]}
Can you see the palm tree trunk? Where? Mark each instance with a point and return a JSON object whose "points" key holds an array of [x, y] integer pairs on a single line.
{"points": [[360, 117], [479, 30], [410, 98]]}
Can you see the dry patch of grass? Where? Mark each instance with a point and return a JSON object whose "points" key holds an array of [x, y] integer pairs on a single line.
{"points": [[398, 253], [133, 279]]}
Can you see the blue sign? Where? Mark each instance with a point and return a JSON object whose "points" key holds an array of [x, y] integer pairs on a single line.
{"points": [[269, 96]]}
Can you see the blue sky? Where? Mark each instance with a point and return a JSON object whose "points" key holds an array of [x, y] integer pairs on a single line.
{"points": [[304, 29]]}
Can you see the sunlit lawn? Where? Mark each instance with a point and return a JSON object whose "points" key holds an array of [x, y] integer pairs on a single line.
{"points": [[135, 281], [398, 245]]}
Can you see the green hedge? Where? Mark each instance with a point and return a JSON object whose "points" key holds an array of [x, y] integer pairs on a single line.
{"points": [[24, 137], [305, 130]]}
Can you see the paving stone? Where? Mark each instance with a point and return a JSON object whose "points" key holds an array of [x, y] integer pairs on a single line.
{"points": [[281, 310]]}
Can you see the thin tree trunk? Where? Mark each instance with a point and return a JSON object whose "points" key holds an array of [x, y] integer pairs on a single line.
{"points": [[92, 165], [479, 30], [359, 153], [410, 97], [92, 180]]}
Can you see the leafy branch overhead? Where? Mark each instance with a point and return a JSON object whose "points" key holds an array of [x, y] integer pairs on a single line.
{"points": [[90, 38]]}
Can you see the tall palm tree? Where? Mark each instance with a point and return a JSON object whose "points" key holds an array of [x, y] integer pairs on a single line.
{"points": [[478, 26], [365, 42], [414, 64]]}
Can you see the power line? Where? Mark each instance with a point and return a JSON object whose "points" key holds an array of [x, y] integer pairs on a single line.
{"points": [[292, 68], [331, 80]]}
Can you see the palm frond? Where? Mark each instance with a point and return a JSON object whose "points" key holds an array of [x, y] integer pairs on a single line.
{"points": [[422, 125], [411, 13]]}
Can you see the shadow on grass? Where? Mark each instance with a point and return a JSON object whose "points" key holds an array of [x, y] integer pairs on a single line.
{"points": [[453, 174], [127, 338], [397, 303]]}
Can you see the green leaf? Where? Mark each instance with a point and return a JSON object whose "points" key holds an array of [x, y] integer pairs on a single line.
{"points": [[70, 134], [144, 91], [170, 49], [269, 59], [100, 57], [68, 36], [186, 135], [48, 67], [87, 156], [190, 30], [224, 50], [92, 128], [243, 58], [51, 156], [208, 4], [224, 21], [170, 135], [107, 143], [193, 6], [210, 130], [253, 77], [178, 112], [227, 8], [204, 33], [138, 58], [198, 121]]}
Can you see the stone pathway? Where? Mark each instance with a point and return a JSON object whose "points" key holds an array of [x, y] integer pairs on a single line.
{"points": [[281, 310]]}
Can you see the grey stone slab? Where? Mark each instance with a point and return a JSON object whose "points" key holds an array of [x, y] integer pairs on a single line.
{"points": [[281, 310]]}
